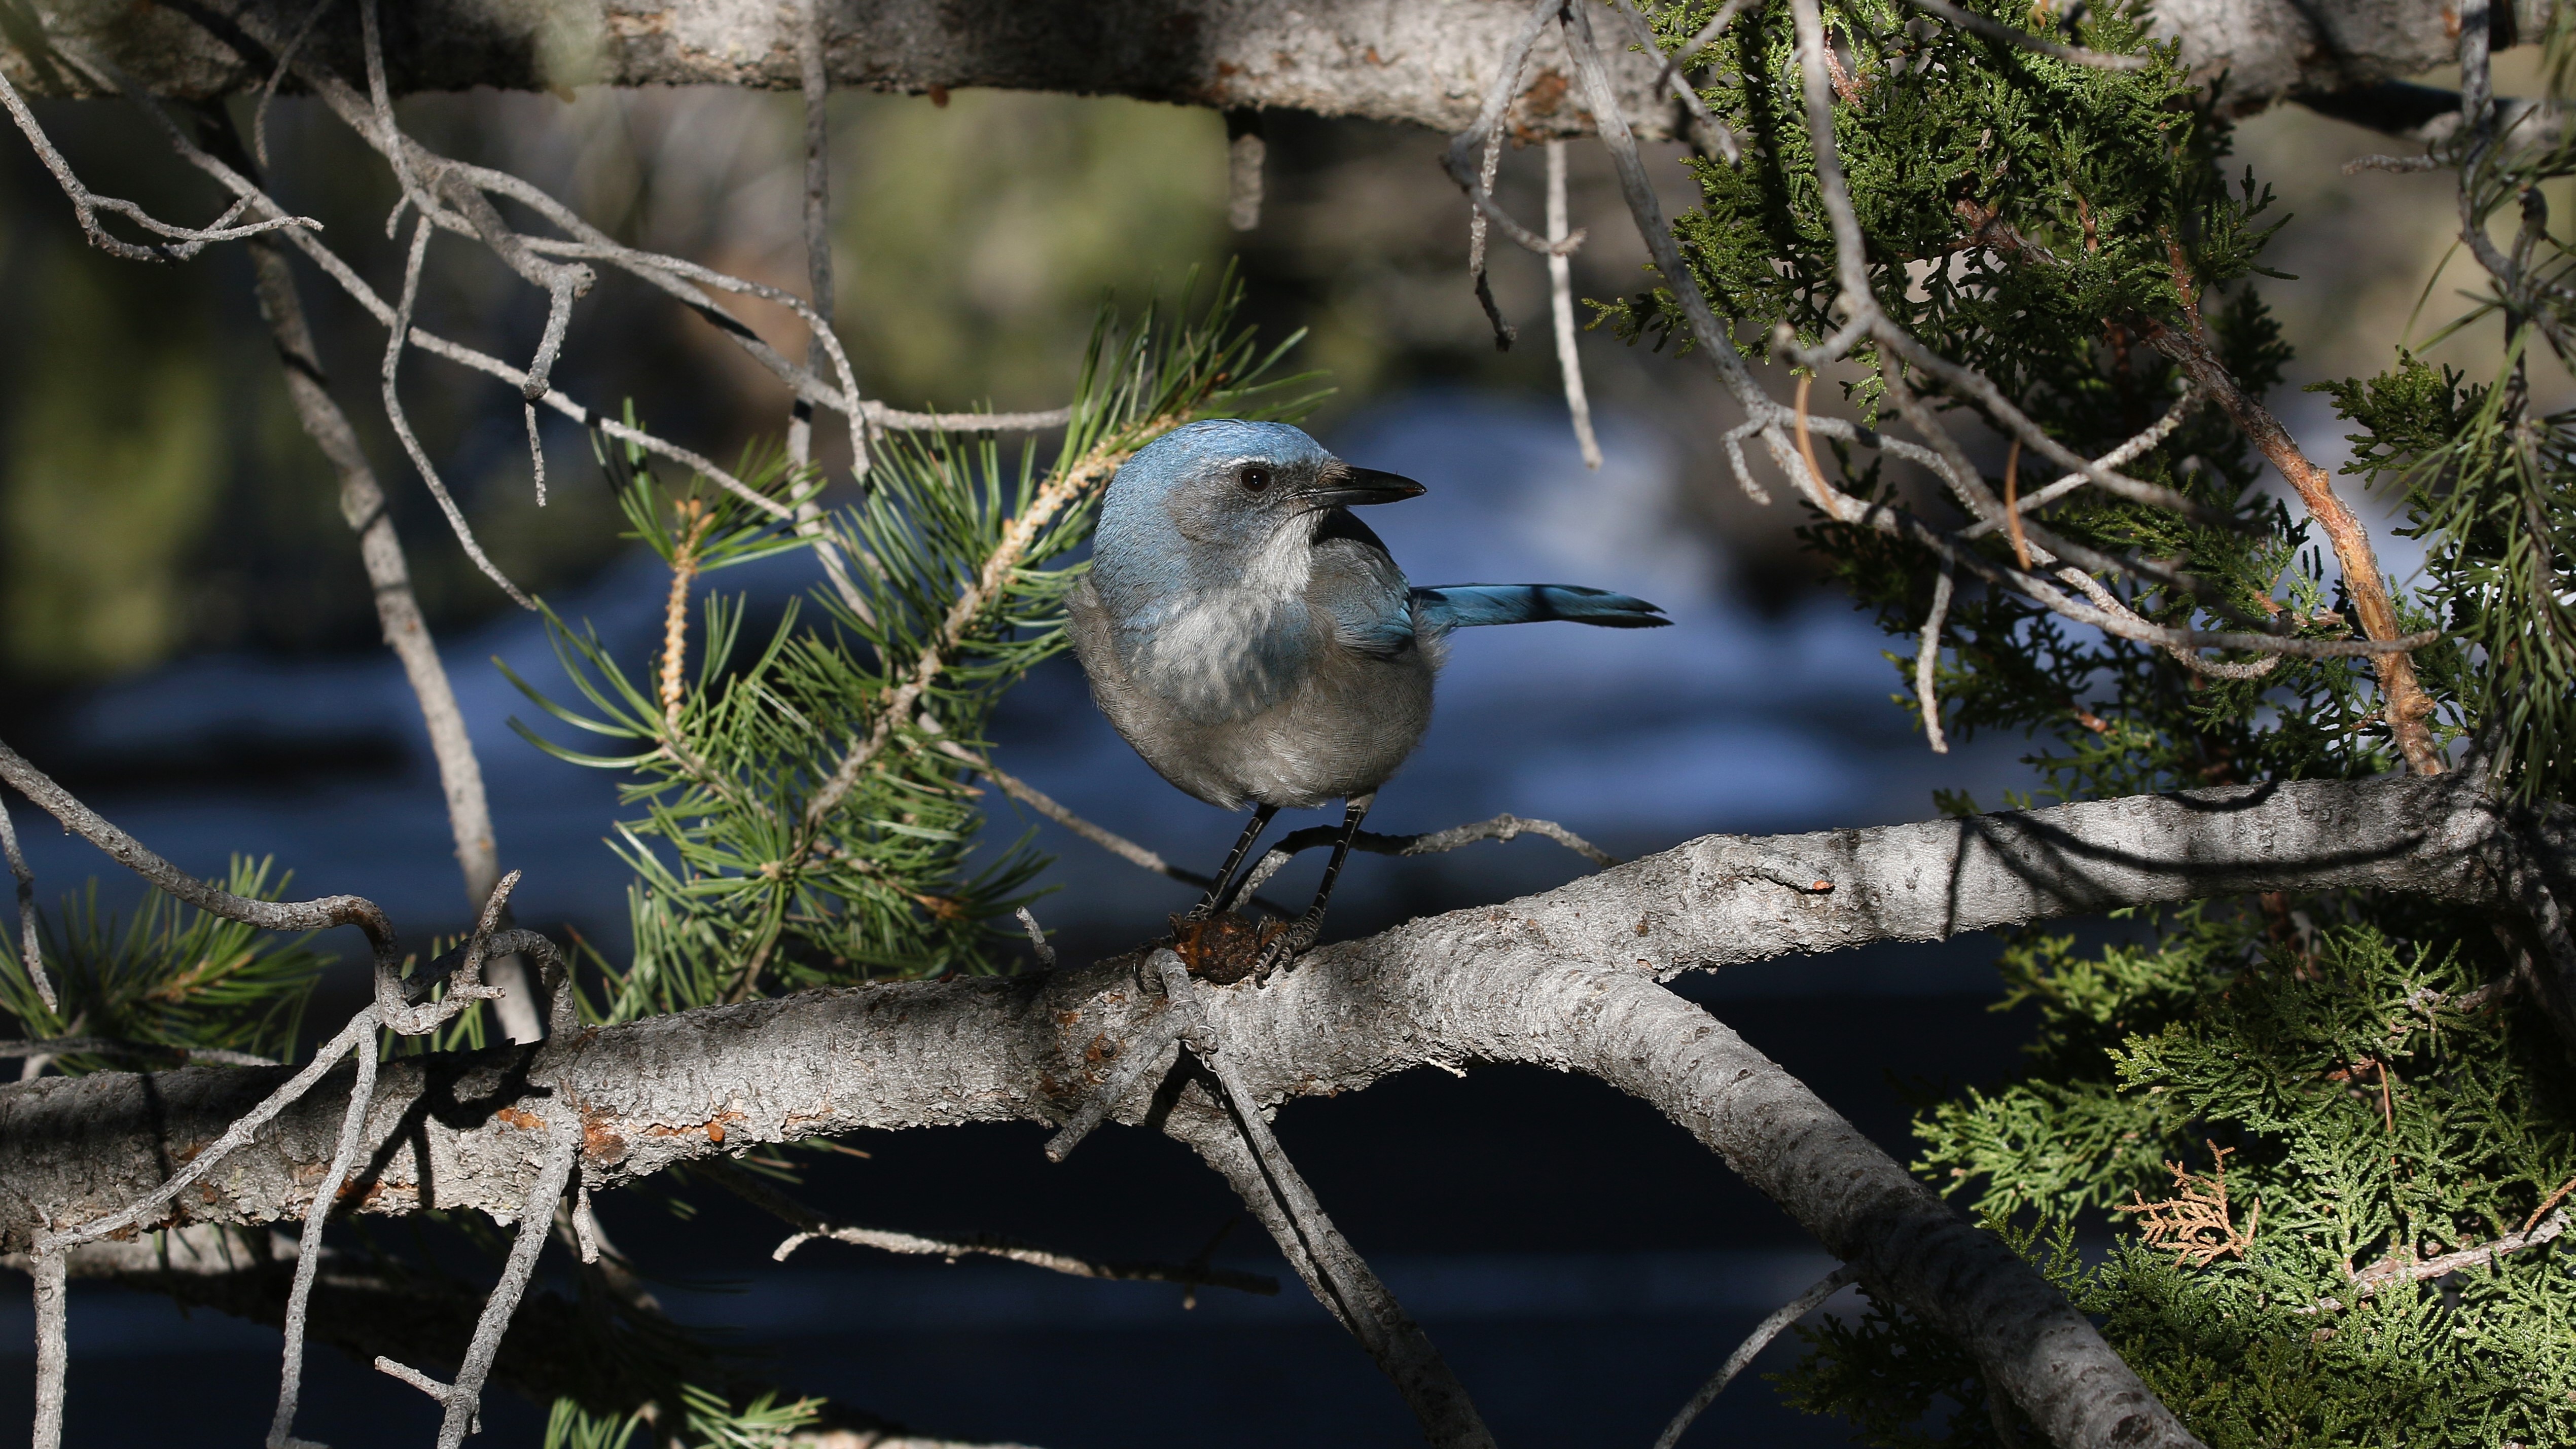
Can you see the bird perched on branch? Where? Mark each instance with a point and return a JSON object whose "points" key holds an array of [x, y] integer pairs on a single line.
{"points": [[1255, 642]]}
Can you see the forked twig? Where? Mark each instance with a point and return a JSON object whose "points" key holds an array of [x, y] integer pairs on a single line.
{"points": [[1712, 134], [1253, 1162], [87, 204], [395, 336], [465, 1398], [1473, 152]]}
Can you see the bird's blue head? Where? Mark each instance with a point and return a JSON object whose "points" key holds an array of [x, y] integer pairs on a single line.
{"points": [[1223, 492]]}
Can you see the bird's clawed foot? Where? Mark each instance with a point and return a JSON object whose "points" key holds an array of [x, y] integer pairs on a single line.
{"points": [[1283, 944]]}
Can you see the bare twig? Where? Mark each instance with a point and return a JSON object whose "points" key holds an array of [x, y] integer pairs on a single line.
{"points": [[380, 127], [1977, 24], [1927, 660], [394, 339], [1707, 332], [1505, 334], [2136, 447], [268, 91], [810, 1225], [466, 1397], [53, 1353], [87, 204], [308, 1257], [1485, 136], [360, 1028], [1278, 1194], [1754, 1342], [1430, 842], [1037, 937], [2389, 1272], [1245, 151], [398, 615], [1144, 1050], [31, 953], [822, 348], [1046, 805], [107, 1046], [2111, 603], [1713, 135], [312, 915], [1560, 295], [815, 81], [1680, 60], [2399, 164]]}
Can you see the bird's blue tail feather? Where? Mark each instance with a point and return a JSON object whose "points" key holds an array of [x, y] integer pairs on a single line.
{"points": [[1461, 606]]}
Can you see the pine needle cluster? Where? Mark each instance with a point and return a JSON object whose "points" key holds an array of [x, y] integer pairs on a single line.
{"points": [[809, 810]]}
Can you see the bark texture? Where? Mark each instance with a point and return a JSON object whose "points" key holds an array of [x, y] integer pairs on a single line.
{"points": [[1566, 979], [1422, 62]]}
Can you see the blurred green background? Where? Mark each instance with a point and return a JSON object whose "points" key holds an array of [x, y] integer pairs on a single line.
{"points": [[158, 498]]}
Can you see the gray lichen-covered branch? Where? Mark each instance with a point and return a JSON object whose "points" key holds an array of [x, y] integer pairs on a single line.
{"points": [[1566, 979], [1424, 62]]}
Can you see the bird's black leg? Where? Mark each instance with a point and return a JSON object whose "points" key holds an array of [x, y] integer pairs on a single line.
{"points": [[1221, 894], [1302, 935]]}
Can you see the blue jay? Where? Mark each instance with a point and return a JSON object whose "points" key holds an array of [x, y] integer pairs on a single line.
{"points": [[1255, 642]]}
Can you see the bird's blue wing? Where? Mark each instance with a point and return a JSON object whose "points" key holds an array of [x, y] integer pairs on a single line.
{"points": [[1356, 582], [1463, 606]]}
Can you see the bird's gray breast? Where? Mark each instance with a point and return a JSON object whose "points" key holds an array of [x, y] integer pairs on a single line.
{"points": [[1263, 694]]}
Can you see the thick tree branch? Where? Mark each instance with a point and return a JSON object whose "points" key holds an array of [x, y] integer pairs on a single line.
{"points": [[1424, 63], [1564, 979]]}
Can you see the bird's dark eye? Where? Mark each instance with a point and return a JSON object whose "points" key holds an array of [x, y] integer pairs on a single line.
{"points": [[1255, 479]]}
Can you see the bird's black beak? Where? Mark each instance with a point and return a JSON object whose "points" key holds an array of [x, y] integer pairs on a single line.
{"points": [[1359, 487]]}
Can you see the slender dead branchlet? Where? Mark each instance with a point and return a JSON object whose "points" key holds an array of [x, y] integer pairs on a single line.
{"points": [[1927, 659], [1474, 153], [180, 242], [1430, 842], [1144, 1051], [1975, 24], [1711, 135], [395, 336], [1270, 1185], [1037, 937], [812, 1225], [1754, 1342], [1560, 301], [31, 949], [1245, 152]]}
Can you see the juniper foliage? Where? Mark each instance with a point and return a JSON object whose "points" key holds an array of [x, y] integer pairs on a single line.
{"points": [[2271, 1110]]}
